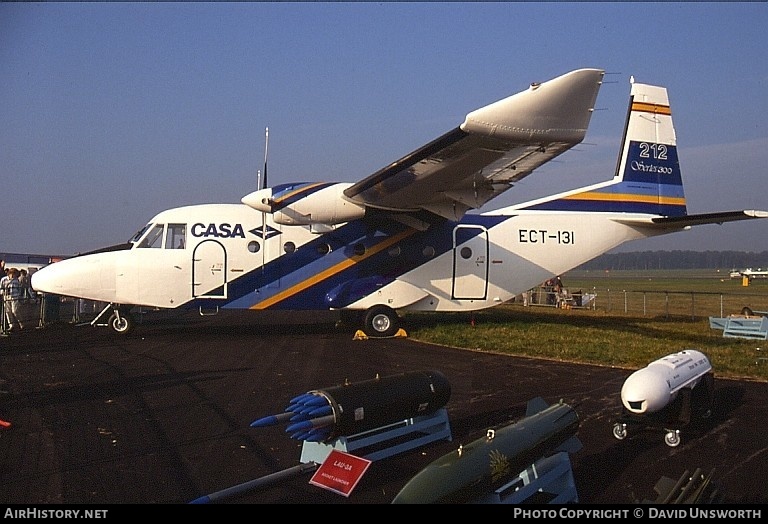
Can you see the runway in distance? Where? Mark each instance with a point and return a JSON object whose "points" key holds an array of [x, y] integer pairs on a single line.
{"points": [[402, 238]]}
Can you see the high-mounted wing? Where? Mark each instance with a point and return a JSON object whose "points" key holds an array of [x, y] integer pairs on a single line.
{"points": [[496, 146]]}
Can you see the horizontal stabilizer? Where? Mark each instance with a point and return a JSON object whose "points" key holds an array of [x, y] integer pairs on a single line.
{"points": [[681, 222], [709, 218]]}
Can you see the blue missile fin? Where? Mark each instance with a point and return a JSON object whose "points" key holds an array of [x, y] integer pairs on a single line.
{"points": [[535, 405]]}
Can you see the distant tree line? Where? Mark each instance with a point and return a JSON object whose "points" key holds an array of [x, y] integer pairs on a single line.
{"points": [[646, 260]]}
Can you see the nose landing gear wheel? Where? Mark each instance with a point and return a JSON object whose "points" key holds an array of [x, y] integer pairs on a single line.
{"points": [[121, 323]]}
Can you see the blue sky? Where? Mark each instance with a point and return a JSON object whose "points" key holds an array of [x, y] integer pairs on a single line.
{"points": [[112, 112]]}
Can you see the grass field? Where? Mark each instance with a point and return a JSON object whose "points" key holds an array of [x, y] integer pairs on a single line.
{"points": [[698, 280], [693, 294], [610, 336]]}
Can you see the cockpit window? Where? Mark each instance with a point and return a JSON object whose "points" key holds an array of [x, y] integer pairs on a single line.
{"points": [[154, 238], [135, 238], [177, 236]]}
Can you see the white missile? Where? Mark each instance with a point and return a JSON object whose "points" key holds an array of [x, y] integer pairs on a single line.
{"points": [[652, 388]]}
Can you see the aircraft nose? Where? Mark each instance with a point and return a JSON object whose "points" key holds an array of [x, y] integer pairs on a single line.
{"points": [[80, 277], [62, 278], [44, 279]]}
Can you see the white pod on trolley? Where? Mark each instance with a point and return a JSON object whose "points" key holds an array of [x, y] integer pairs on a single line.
{"points": [[652, 388]]}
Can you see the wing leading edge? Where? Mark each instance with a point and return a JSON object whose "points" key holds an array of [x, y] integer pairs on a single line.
{"points": [[495, 147]]}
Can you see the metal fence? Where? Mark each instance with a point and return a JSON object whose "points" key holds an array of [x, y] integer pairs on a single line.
{"points": [[689, 304], [692, 304], [544, 296], [45, 309]]}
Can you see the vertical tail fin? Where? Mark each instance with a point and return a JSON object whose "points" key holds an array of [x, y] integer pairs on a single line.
{"points": [[648, 168], [647, 178]]}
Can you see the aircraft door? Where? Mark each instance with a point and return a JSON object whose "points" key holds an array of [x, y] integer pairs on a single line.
{"points": [[209, 270], [470, 262]]}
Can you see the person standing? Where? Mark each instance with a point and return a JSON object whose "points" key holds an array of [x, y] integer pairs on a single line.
{"points": [[3, 278], [4, 424], [26, 289], [11, 289]]}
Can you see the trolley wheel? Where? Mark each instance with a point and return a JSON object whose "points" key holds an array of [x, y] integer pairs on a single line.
{"points": [[620, 431], [122, 323], [381, 321], [672, 438]]}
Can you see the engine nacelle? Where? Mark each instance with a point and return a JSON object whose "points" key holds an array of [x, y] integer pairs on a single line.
{"points": [[306, 203], [652, 388]]}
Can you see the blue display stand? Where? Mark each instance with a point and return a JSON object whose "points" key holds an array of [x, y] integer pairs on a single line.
{"points": [[385, 441]]}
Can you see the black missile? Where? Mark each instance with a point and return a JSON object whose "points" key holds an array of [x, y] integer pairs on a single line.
{"points": [[486, 464], [352, 408]]}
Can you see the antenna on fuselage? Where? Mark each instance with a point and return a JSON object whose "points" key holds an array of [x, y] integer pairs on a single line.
{"points": [[259, 185], [263, 214], [266, 148]]}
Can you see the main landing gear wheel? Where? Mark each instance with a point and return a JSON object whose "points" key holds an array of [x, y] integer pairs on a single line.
{"points": [[121, 323], [381, 321], [672, 438], [620, 431]]}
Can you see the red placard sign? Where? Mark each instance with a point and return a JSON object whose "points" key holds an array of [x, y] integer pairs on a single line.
{"points": [[340, 472]]}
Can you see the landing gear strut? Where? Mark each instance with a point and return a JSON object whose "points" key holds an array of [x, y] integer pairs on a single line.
{"points": [[119, 319]]}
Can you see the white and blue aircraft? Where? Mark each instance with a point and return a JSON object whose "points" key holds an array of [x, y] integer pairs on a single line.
{"points": [[402, 238]]}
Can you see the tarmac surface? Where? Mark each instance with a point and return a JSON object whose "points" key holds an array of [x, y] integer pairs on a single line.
{"points": [[163, 415]]}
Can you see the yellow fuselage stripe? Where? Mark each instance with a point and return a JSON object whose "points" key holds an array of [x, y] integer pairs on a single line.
{"points": [[628, 197], [301, 286]]}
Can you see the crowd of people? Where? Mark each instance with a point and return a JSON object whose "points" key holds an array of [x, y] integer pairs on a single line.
{"points": [[5, 284], [16, 293]]}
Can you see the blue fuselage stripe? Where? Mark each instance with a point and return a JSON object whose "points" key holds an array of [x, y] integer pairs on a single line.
{"points": [[300, 269]]}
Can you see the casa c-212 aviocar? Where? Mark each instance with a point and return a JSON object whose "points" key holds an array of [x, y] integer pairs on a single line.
{"points": [[402, 239]]}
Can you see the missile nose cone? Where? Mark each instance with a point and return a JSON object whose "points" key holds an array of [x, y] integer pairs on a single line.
{"points": [[323, 410], [264, 422], [299, 426], [271, 420]]}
